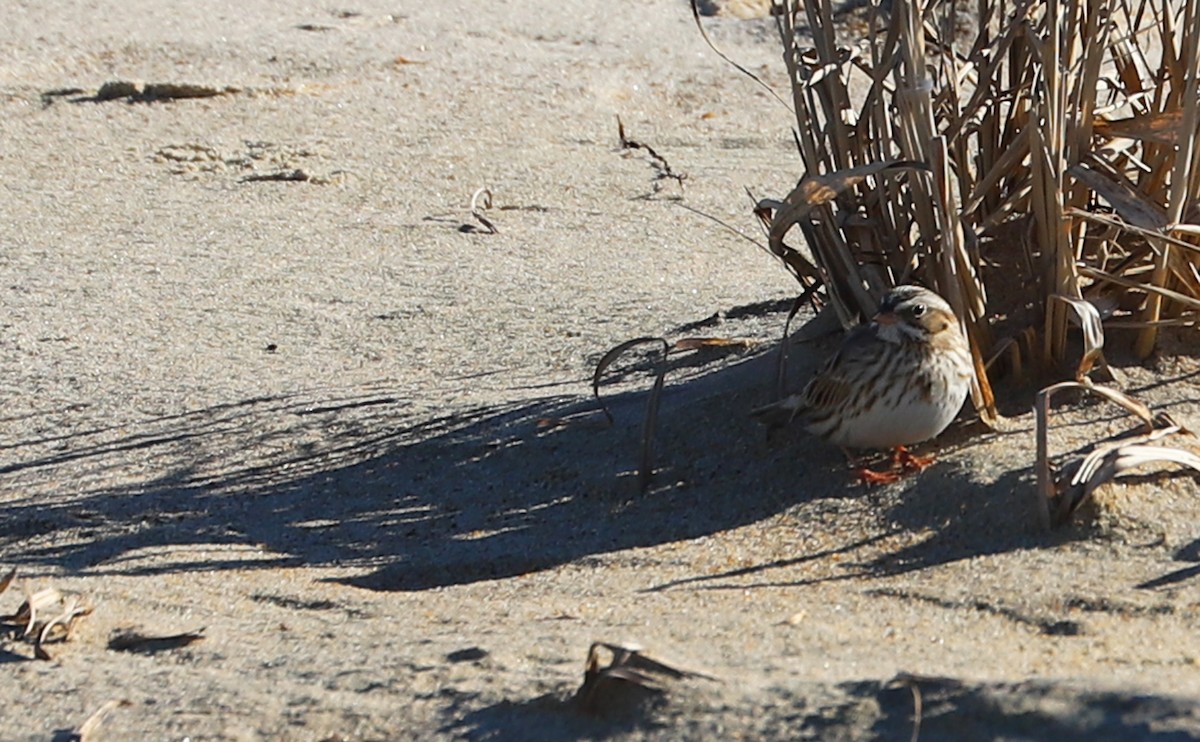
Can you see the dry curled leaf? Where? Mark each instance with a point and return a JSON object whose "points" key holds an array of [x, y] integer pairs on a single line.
{"points": [[699, 343], [912, 682], [1132, 206], [280, 176], [814, 191], [132, 640], [176, 91], [1076, 480], [1093, 332], [646, 463], [1107, 462], [47, 615], [629, 675], [481, 200], [87, 730], [61, 625], [35, 604], [612, 355]]}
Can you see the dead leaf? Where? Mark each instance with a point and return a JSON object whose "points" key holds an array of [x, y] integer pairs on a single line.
{"points": [[816, 190], [74, 608], [1163, 127], [46, 615], [1134, 207], [279, 176], [1078, 479], [33, 606], [87, 730], [629, 677], [698, 343], [1106, 464], [1093, 332], [477, 207], [131, 640], [178, 91]]}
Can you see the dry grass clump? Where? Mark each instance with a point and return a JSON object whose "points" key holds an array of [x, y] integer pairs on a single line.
{"points": [[1002, 154]]}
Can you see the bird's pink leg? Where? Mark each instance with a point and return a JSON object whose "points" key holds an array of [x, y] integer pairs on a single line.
{"points": [[868, 476], [910, 462], [904, 463]]}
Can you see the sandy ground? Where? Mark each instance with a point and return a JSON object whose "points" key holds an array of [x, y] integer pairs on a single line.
{"points": [[309, 416]]}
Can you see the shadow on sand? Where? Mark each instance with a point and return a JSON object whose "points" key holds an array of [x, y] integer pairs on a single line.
{"points": [[926, 708], [426, 500], [409, 499], [423, 498]]}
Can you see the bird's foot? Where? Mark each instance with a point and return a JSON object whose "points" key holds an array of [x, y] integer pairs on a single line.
{"points": [[870, 477], [907, 461], [903, 463]]}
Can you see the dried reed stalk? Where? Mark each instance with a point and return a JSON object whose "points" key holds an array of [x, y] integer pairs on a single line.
{"points": [[1001, 155]]}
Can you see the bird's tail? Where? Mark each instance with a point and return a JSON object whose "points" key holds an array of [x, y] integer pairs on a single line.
{"points": [[778, 414]]}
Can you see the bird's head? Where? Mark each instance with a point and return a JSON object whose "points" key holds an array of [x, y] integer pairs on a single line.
{"points": [[914, 313]]}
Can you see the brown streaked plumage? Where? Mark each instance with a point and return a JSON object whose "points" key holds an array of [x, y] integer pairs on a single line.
{"points": [[897, 380]]}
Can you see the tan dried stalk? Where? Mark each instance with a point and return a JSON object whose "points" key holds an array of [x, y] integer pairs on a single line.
{"points": [[1073, 123]]}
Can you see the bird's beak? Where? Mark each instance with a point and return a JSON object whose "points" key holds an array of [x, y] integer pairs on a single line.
{"points": [[887, 319]]}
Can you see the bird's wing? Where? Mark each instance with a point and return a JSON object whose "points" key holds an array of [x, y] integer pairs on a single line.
{"points": [[835, 382], [831, 386]]}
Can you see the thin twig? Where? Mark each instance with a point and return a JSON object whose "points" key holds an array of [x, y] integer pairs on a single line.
{"points": [[916, 694], [726, 225], [722, 55], [660, 163]]}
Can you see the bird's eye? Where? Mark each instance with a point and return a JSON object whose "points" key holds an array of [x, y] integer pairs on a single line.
{"points": [[917, 310]]}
